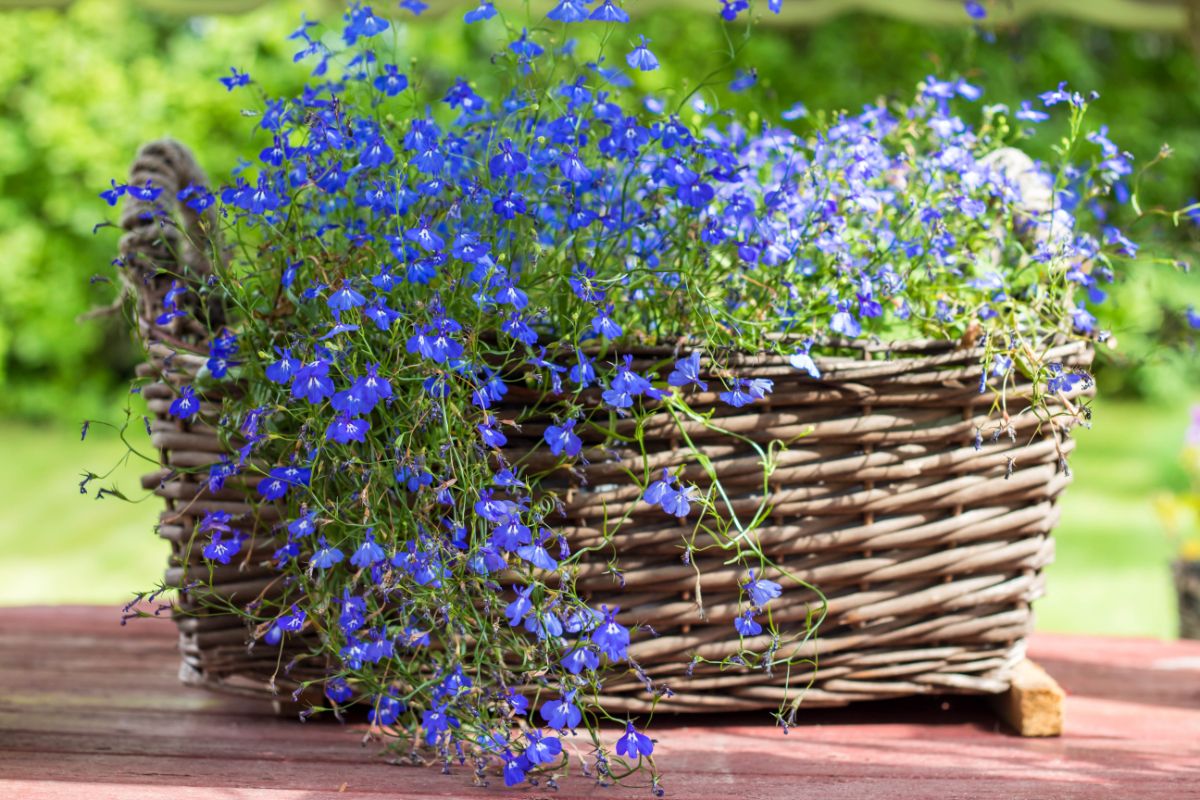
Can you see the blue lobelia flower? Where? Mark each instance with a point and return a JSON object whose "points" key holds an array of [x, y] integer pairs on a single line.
{"points": [[535, 553], [843, 322], [609, 12], [485, 10], [687, 371], [562, 714], [509, 162], [568, 11], [283, 370], [386, 709], [563, 439], [437, 721], [804, 362], [235, 79], [641, 57], [515, 768], [312, 382], [633, 744], [346, 429], [611, 636], [222, 550], [746, 625], [337, 690], [518, 609], [579, 658], [542, 749], [761, 590], [186, 405], [368, 553], [326, 555]]}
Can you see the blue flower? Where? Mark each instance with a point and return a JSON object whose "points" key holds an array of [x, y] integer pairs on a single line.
{"points": [[568, 11], [386, 709], [743, 80], [515, 768], [974, 9], [687, 371], [542, 749], [312, 382], [579, 658], [761, 590], [562, 438], [746, 625], [611, 636], [186, 405], [844, 323], [222, 550], [633, 744], [337, 690], [1193, 317], [283, 370], [368, 553], [235, 80], [608, 12], [362, 22], [641, 57], [805, 363], [1027, 113], [277, 482], [326, 555], [537, 555], [562, 714], [518, 609], [525, 48], [437, 721], [346, 429], [485, 10]]}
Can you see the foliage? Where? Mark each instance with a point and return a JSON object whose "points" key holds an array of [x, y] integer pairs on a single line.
{"points": [[151, 74], [1180, 511], [404, 252]]}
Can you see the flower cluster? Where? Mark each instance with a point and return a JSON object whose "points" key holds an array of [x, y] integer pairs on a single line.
{"points": [[397, 267]]}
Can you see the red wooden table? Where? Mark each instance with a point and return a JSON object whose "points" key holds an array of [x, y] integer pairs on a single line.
{"points": [[91, 710]]}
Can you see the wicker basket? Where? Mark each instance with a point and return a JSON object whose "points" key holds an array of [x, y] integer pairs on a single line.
{"points": [[929, 549]]}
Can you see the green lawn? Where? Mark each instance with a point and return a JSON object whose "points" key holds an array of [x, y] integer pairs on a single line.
{"points": [[1111, 575]]}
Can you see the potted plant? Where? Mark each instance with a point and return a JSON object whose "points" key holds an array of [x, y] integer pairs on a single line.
{"points": [[514, 413]]}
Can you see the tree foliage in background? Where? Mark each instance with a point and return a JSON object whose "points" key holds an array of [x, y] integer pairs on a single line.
{"points": [[106, 76]]}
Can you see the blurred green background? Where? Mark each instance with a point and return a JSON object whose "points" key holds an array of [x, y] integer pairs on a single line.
{"points": [[92, 80]]}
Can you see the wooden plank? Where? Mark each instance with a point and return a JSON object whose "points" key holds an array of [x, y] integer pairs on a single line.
{"points": [[1033, 705], [89, 708]]}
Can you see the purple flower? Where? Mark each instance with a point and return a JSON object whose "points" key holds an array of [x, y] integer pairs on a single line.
{"points": [[326, 555], [485, 10], [608, 12], [746, 625], [562, 714], [641, 57], [222, 550], [386, 709], [186, 405], [611, 636], [368, 553], [346, 429], [312, 382], [761, 590], [687, 371], [633, 744], [562, 438], [235, 79]]}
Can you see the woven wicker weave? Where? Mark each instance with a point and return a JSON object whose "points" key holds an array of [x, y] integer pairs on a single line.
{"points": [[929, 550]]}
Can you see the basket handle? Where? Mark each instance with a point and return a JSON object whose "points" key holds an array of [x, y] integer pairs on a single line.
{"points": [[166, 241]]}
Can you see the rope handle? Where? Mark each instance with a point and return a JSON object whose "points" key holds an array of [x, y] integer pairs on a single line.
{"points": [[167, 244]]}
